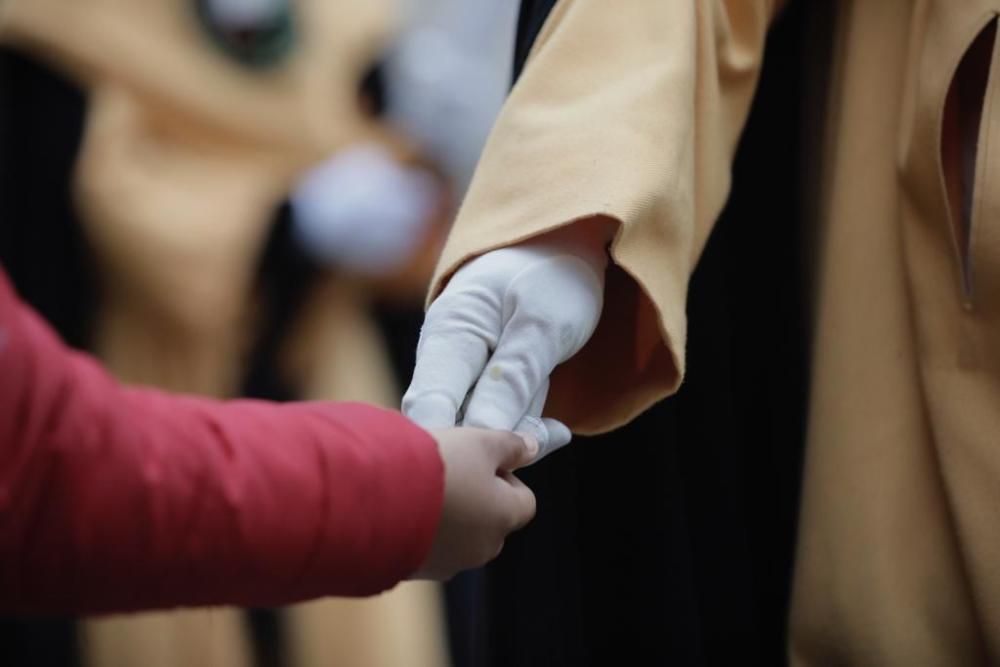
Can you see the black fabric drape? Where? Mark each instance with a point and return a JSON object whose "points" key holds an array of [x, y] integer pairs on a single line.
{"points": [[672, 538], [40, 247]]}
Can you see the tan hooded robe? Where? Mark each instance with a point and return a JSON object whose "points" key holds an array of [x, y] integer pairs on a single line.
{"points": [[632, 110]]}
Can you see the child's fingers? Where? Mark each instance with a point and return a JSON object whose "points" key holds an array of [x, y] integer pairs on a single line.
{"points": [[518, 499], [512, 450]]}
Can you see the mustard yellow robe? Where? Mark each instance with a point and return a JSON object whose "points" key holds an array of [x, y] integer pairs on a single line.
{"points": [[632, 111]]}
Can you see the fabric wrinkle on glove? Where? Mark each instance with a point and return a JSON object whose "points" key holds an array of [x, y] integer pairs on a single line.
{"points": [[497, 331]]}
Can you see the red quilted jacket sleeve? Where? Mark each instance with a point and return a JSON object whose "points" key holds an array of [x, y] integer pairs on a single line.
{"points": [[115, 498]]}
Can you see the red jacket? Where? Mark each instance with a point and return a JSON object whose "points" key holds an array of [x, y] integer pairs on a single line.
{"points": [[115, 498]]}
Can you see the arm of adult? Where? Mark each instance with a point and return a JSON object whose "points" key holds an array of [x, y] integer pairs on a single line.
{"points": [[621, 129]]}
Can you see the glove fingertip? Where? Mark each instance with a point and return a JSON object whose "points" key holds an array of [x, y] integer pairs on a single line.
{"points": [[551, 435], [432, 411], [559, 434]]}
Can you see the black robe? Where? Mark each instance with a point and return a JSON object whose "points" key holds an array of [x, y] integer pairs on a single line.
{"points": [[672, 538]]}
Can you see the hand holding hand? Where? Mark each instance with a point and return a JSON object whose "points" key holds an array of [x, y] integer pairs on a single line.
{"points": [[483, 501], [503, 323]]}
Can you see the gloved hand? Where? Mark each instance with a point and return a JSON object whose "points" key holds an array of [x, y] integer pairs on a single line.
{"points": [[494, 335], [363, 210]]}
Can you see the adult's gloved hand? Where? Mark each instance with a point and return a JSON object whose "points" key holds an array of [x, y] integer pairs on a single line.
{"points": [[494, 335]]}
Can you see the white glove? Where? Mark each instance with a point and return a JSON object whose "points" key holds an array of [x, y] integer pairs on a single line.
{"points": [[363, 211], [492, 338]]}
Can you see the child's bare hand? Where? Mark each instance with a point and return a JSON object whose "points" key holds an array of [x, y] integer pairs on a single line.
{"points": [[483, 501]]}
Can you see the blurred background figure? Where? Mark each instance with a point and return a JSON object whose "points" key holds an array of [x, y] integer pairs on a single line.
{"points": [[446, 74], [242, 197], [449, 71]]}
